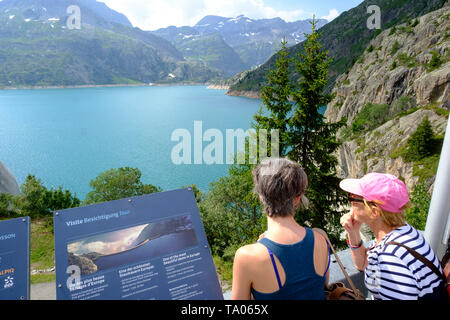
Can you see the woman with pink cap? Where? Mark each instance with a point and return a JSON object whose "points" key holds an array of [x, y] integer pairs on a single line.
{"points": [[392, 271]]}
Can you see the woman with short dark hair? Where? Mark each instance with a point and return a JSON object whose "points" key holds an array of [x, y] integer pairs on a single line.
{"points": [[291, 261]]}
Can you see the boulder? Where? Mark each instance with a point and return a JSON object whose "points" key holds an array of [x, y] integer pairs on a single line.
{"points": [[8, 183]]}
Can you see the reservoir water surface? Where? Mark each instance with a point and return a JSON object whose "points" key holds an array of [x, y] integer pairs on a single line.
{"points": [[67, 137]]}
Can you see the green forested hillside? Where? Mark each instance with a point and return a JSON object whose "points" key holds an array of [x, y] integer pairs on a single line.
{"points": [[214, 52]]}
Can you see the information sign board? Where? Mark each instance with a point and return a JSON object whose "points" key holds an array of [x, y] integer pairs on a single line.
{"points": [[15, 259], [147, 247]]}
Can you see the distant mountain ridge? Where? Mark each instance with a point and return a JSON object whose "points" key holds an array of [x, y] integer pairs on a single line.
{"points": [[37, 48], [50, 9], [235, 44]]}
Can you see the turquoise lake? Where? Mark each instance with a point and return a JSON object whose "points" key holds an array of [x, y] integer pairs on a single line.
{"points": [[67, 137]]}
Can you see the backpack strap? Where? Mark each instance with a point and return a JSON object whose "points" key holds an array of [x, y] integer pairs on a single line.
{"points": [[421, 258]]}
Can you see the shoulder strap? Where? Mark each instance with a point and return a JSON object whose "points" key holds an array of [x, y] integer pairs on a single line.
{"points": [[275, 268], [349, 280], [421, 258]]}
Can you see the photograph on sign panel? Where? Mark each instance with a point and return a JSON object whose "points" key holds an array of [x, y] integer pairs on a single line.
{"points": [[133, 244]]}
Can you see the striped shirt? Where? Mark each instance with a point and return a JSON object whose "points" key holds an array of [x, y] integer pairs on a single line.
{"points": [[393, 273]]}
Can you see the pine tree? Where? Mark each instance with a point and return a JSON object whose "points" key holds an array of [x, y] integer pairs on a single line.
{"points": [[275, 97], [420, 144], [305, 137], [313, 141]]}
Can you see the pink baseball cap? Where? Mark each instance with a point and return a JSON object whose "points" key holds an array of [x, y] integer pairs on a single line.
{"points": [[385, 188]]}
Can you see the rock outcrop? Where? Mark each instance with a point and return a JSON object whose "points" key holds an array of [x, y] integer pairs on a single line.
{"points": [[398, 64], [410, 62], [372, 152], [8, 183]]}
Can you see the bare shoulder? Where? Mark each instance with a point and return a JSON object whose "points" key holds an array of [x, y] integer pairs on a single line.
{"points": [[320, 237], [251, 252]]}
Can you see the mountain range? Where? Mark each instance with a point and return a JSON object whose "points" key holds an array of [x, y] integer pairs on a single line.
{"points": [[235, 44], [38, 49]]}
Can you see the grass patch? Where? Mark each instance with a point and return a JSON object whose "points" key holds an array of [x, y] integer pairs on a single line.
{"points": [[43, 278], [426, 167], [42, 244], [410, 111], [407, 61], [374, 115], [439, 111], [399, 152], [370, 117]]}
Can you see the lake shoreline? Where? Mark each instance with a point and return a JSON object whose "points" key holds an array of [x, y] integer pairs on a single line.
{"points": [[103, 86]]}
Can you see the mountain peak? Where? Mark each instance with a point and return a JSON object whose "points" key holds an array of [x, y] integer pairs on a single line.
{"points": [[45, 9], [210, 20]]}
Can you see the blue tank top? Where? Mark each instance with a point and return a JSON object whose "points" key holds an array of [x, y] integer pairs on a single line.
{"points": [[302, 281]]}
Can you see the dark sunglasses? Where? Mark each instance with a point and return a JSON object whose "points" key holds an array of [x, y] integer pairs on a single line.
{"points": [[351, 199]]}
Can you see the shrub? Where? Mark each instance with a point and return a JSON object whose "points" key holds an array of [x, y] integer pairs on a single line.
{"points": [[231, 212], [117, 184], [29, 202], [36, 200], [407, 61], [394, 65], [6, 205], [420, 144], [402, 105], [393, 30], [395, 48], [435, 61], [417, 214], [370, 117]]}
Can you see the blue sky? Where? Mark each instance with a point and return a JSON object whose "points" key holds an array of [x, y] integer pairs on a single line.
{"points": [[154, 14]]}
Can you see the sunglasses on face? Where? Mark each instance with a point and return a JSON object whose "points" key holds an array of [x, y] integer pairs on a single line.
{"points": [[352, 199]]}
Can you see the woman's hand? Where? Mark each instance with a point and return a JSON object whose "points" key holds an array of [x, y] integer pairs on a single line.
{"points": [[352, 226]]}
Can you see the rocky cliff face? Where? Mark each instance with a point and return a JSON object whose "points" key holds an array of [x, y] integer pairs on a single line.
{"points": [[406, 68], [372, 152], [8, 183], [87, 266]]}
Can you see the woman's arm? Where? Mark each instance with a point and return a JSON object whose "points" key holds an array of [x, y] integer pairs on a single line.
{"points": [[352, 227], [359, 255], [241, 278]]}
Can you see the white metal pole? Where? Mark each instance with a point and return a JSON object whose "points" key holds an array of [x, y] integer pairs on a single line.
{"points": [[438, 224]]}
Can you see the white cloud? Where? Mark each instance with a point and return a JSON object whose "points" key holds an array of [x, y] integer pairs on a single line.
{"points": [[154, 14], [332, 14]]}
